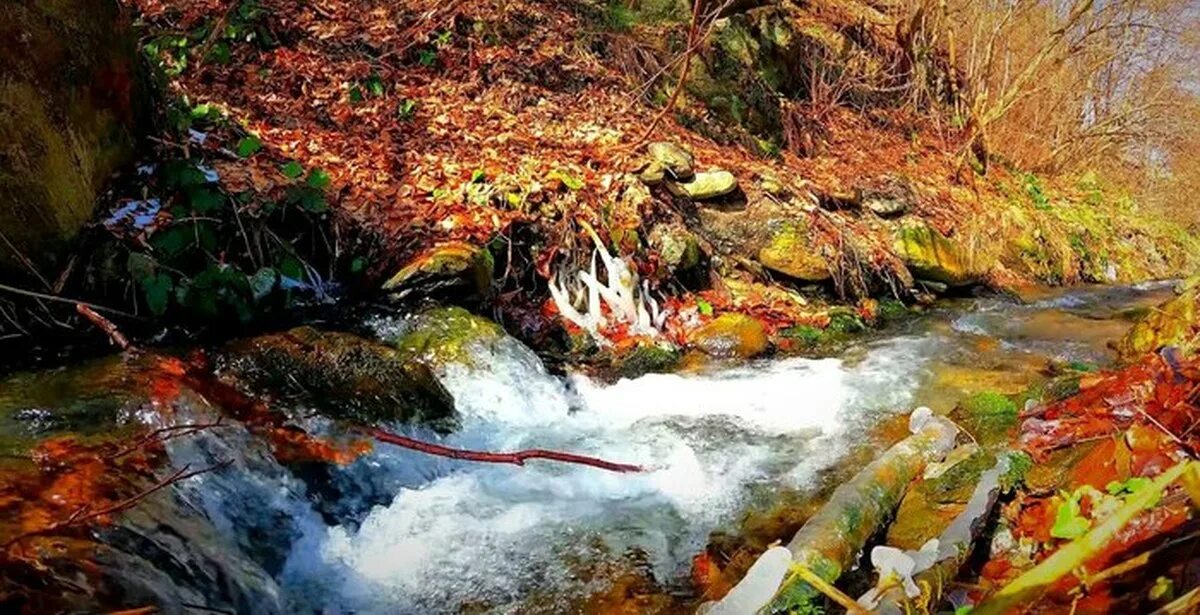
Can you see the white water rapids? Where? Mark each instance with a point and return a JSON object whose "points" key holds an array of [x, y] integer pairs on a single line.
{"points": [[492, 535]]}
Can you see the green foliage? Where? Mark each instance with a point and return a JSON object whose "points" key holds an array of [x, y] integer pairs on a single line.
{"points": [[1019, 464], [618, 16], [248, 146], [426, 57], [406, 109], [1035, 191], [846, 323], [1069, 523], [198, 262], [704, 307], [809, 336]]}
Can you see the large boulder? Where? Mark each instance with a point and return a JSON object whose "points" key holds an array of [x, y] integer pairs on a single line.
{"points": [[1174, 323], [340, 374], [68, 89], [932, 256], [791, 252]]}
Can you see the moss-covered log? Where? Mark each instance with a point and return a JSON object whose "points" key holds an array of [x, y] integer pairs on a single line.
{"points": [[829, 543]]}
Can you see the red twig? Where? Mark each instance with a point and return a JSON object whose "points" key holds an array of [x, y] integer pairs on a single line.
{"points": [[86, 514], [104, 325], [515, 458]]}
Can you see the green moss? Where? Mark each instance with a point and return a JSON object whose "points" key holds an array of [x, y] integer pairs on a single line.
{"points": [[446, 335], [891, 310], [989, 416], [845, 323], [809, 336], [648, 359]]}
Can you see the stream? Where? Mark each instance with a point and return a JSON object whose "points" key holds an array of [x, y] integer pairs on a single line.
{"points": [[401, 532]]}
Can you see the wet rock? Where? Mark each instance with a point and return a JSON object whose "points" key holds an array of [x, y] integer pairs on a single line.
{"points": [[69, 83], [1173, 323], [790, 252], [731, 335], [340, 374], [672, 159], [932, 256], [647, 358], [933, 503], [441, 337], [676, 245], [449, 264], [705, 185]]}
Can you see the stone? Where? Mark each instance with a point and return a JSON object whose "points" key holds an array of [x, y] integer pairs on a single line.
{"points": [[340, 374], [885, 207], [731, 335], [673, 159], [932, 256], [705, 185], [1170, 324], [676, 245], [790, 252], [451, 263], [70, 84]]}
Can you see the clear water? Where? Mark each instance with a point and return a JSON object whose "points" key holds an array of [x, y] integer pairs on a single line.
{"points": [[409, 533]]}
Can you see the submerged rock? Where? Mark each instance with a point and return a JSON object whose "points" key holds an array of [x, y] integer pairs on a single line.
{"points": [[932, 256], [731, 335], [706, 185], [791, 253]]}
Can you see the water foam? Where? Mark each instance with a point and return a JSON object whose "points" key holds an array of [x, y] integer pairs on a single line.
{"points": [[495, 535]]}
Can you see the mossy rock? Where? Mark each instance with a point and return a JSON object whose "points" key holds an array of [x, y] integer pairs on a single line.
{"points": [[1173, 323], [932, 256], [731, 335], [677, 246], [989, 416], [705, 185], [932, 504], [342, 375], [647, 359], [69, 83], [790, 252], [454, 263], [447, 335]]}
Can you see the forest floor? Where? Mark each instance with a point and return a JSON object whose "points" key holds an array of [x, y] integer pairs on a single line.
{"points": [[442, 129]]}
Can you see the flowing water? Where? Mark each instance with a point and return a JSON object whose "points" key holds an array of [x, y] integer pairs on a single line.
{"points": [[401, 532]]}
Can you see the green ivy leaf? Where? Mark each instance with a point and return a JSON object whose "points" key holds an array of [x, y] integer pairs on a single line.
{"points": [[313, 201], [157, 291], [172, 241], [374, 85], [478, 176], [205, 200], [1069, 524], [356, 95], [318, 179], [292, 170], [705, 307], [248, 146], [427, 57]]}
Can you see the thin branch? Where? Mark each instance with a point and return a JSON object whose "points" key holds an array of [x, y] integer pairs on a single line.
{"points": [[516, 458]]}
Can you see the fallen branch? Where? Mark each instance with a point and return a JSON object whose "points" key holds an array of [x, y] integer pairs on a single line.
{"points": [[516, 458], [84, 514], [104, 325]]}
